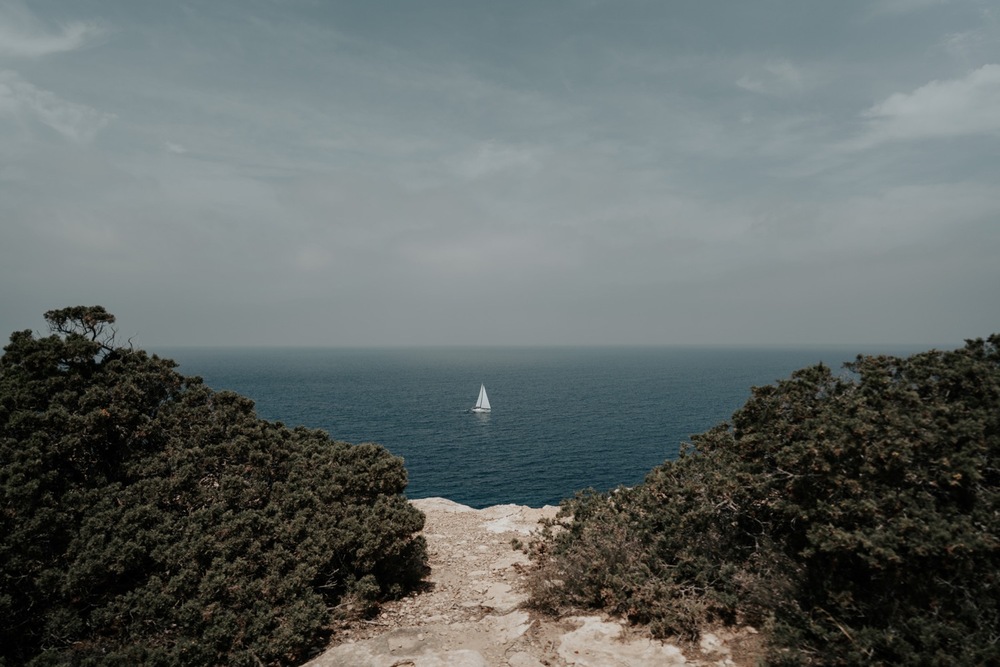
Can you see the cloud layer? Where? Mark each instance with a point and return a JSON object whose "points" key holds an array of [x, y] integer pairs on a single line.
{"points": [[966, 106], [76, 122], [547, 174], [22, 35]]}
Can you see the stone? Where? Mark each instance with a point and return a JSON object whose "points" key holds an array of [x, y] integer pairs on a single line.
{"points": [[599, 643]]}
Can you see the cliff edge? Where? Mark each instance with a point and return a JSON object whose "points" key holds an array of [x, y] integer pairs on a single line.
{"points": [[472, 614]]}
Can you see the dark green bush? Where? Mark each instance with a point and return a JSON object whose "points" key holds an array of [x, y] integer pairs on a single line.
{"points": [[856, 519], [147, 519]]}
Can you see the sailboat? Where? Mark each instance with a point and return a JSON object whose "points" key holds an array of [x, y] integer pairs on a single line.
{"points": [[483, 402]]}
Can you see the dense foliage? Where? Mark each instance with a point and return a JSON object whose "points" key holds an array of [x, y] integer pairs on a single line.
{"points": [[146, 519], [855, 519]]}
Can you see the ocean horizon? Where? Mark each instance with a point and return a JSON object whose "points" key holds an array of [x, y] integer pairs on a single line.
{"points": [[563, 419]]}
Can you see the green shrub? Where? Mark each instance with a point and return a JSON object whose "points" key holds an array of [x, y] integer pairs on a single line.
{"points": [[856, 519], [147, 519]]}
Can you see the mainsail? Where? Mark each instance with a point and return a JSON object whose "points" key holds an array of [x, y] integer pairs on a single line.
{"points": [[483, 402]]}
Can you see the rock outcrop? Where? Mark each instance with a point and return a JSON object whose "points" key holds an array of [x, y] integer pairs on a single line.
{"points": [[472, 614]]}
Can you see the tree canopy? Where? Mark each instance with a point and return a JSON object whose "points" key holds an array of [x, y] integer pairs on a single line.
{"points": [[854, 518], [147, 519]]}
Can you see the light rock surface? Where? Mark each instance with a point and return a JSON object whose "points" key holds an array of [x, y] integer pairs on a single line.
{"points": [[472, 614]]}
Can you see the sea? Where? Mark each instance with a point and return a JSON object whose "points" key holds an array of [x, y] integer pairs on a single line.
{"points": [[563, 419]]}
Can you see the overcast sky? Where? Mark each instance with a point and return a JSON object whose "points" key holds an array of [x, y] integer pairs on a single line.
{"points": [[454, 172]]}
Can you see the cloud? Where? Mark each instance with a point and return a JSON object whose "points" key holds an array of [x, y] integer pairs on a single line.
{"points": [[919, 215], [957, 107], [965, 45], [777, 78], [22, 36], [491, 158], [895, 7], [313, 258], [77, 122], [753, 85]]}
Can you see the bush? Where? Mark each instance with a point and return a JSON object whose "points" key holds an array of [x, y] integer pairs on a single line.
{"points": [[147, 519], [855, 519]]}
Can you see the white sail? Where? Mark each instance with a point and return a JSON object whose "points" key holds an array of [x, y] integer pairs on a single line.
{"points": [[483, 402]]}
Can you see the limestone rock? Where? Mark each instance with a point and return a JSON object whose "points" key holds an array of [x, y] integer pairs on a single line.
{"points": [[472, 615]]}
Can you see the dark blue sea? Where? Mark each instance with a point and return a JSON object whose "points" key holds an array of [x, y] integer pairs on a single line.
{"points": [[563, 419]]}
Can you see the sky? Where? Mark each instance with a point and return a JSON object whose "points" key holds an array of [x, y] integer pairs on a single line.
{"points": [[455, 172]]}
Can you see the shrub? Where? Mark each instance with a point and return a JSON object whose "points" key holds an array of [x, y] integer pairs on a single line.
{"points": [[854, 518], [147, 519]]}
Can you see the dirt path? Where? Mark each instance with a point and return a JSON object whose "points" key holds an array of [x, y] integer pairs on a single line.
{"points": [[472, 615]]}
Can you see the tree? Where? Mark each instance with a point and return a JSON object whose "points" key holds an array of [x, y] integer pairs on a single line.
{"points": [[146, 519], [92, 322], [855, 518]]}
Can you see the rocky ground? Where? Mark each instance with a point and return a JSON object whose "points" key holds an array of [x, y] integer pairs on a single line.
{"points": [[472, 614]]}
